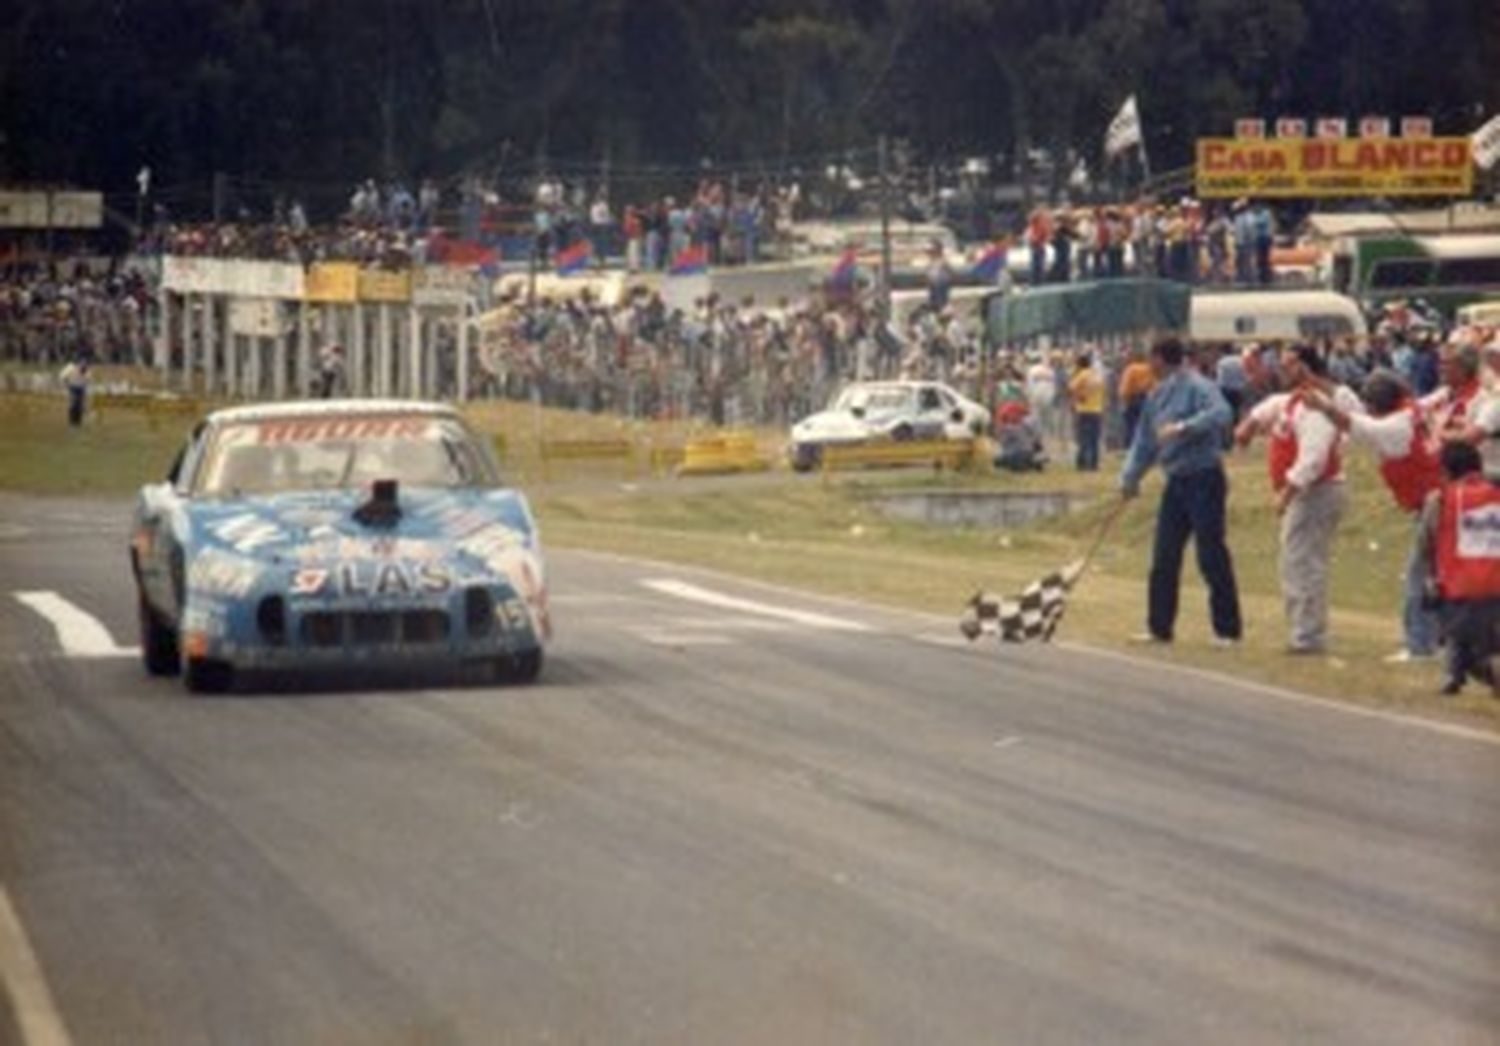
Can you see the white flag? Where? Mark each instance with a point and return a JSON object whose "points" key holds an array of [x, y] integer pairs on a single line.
{"points": [[143, 180], [1124, 130], [1485, 144]]}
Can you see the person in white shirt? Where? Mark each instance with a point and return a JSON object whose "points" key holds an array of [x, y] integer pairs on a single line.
{"points": [[1041, 394], [1308, 478], [1396, 430], [1481, 424], [75, 378], [1451, 407]]}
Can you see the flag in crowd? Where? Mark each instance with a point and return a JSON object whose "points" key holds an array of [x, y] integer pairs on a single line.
{"points": [[690, 261], [991, 262], [453, 251], [844, 270], [1485, 144], [575, 258], [1124, 130], [1034, 614]]}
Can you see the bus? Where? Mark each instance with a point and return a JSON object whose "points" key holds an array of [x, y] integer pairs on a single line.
{"points": [[1446, 271], [1284, 315]]}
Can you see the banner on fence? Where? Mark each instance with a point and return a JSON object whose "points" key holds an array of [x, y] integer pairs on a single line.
{"points": [[245, 279], [379, 285], [333, 283], [441, 285], [41, 209], [256, 317]]}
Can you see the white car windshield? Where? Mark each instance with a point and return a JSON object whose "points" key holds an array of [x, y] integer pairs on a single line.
{"points": [[863, 397], [349, 452]]}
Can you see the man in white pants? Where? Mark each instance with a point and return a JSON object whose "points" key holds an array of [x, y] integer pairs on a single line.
{"points": [[1308, 477]]}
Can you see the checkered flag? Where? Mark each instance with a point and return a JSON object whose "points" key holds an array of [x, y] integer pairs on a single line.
{"points": [[1034, 614]]}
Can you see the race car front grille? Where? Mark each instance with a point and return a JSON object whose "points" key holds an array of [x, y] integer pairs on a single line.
{"points": [[373, 627]]}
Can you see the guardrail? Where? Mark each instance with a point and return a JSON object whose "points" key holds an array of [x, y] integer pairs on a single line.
{"points": [[575, 450], [157, 409], [952, 455], [722, 455]]}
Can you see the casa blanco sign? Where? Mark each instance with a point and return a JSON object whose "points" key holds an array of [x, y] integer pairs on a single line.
{"points": [[1230, 167]]}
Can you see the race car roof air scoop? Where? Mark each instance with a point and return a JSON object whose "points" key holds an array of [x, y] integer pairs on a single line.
{"points": [[381, 510]]}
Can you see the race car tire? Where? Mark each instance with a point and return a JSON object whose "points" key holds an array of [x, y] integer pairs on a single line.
{"points": [[158, 642], [519, 668], [806, 458], [204, 676], [902, 433]]}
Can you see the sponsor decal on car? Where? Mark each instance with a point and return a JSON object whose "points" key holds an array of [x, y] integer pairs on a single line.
{"points": [[316, 430], [372, 578], [209, 617], [247, 532], [221, 574]]}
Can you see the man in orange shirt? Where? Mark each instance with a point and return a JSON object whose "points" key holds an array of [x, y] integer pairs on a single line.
{"points": [[1136, 383]]}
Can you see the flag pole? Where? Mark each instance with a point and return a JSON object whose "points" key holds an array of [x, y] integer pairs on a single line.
{"points": [[1104, 529]]}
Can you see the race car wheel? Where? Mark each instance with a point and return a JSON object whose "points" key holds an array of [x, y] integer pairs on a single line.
{"points": [[519, 668], [204, 676], [806, 458], [158, 642], [901, 433]]}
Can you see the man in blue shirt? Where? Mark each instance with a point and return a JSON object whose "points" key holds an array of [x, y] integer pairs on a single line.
{"points": [[1182, 426]]}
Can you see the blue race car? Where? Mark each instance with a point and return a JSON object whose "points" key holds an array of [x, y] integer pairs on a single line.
{"points": [[334, 535]]}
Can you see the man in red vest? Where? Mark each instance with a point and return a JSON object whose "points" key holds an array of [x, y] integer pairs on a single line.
{"points": [[1449, 408], [1397, 431], [1307, 476], [1461, 542]]}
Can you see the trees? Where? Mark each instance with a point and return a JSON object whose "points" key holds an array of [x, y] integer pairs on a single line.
{"points": [[311, 96]]}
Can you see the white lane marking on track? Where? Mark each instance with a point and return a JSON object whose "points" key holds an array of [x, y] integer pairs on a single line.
{"points": [[1246, 686], [21, 978], [683, 590], [679, 637], [80, 633]]}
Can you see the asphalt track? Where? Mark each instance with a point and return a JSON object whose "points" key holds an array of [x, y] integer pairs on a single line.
{"points": [[727, 814]]}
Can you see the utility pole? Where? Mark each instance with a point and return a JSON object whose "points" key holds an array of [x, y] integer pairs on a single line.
{"points": [[885, 232]]}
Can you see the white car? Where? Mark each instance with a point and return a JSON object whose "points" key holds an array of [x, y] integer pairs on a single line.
{"points": [[897, 410]]}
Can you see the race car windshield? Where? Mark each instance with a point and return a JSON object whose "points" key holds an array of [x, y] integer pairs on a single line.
{"points": [[872, 399], [336, 453]]}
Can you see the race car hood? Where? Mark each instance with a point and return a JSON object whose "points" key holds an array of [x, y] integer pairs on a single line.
{"points": [[458, 536]]}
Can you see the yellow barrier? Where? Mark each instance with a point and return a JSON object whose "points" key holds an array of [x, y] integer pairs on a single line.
{"points": [[664, 459], [157, 409], [108, 402], [587, 450], [22, 405], [723, 454], [940, 454]]}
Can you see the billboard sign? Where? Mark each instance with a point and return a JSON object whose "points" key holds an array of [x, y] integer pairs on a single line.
{"points": [[1228, 167]]}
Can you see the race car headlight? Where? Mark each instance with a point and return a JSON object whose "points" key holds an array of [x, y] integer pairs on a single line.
{"points": [[479, 611], [270, 618]]}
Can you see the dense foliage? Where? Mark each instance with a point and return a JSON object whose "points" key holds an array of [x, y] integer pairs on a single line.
{"points": [[306, 95]]}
